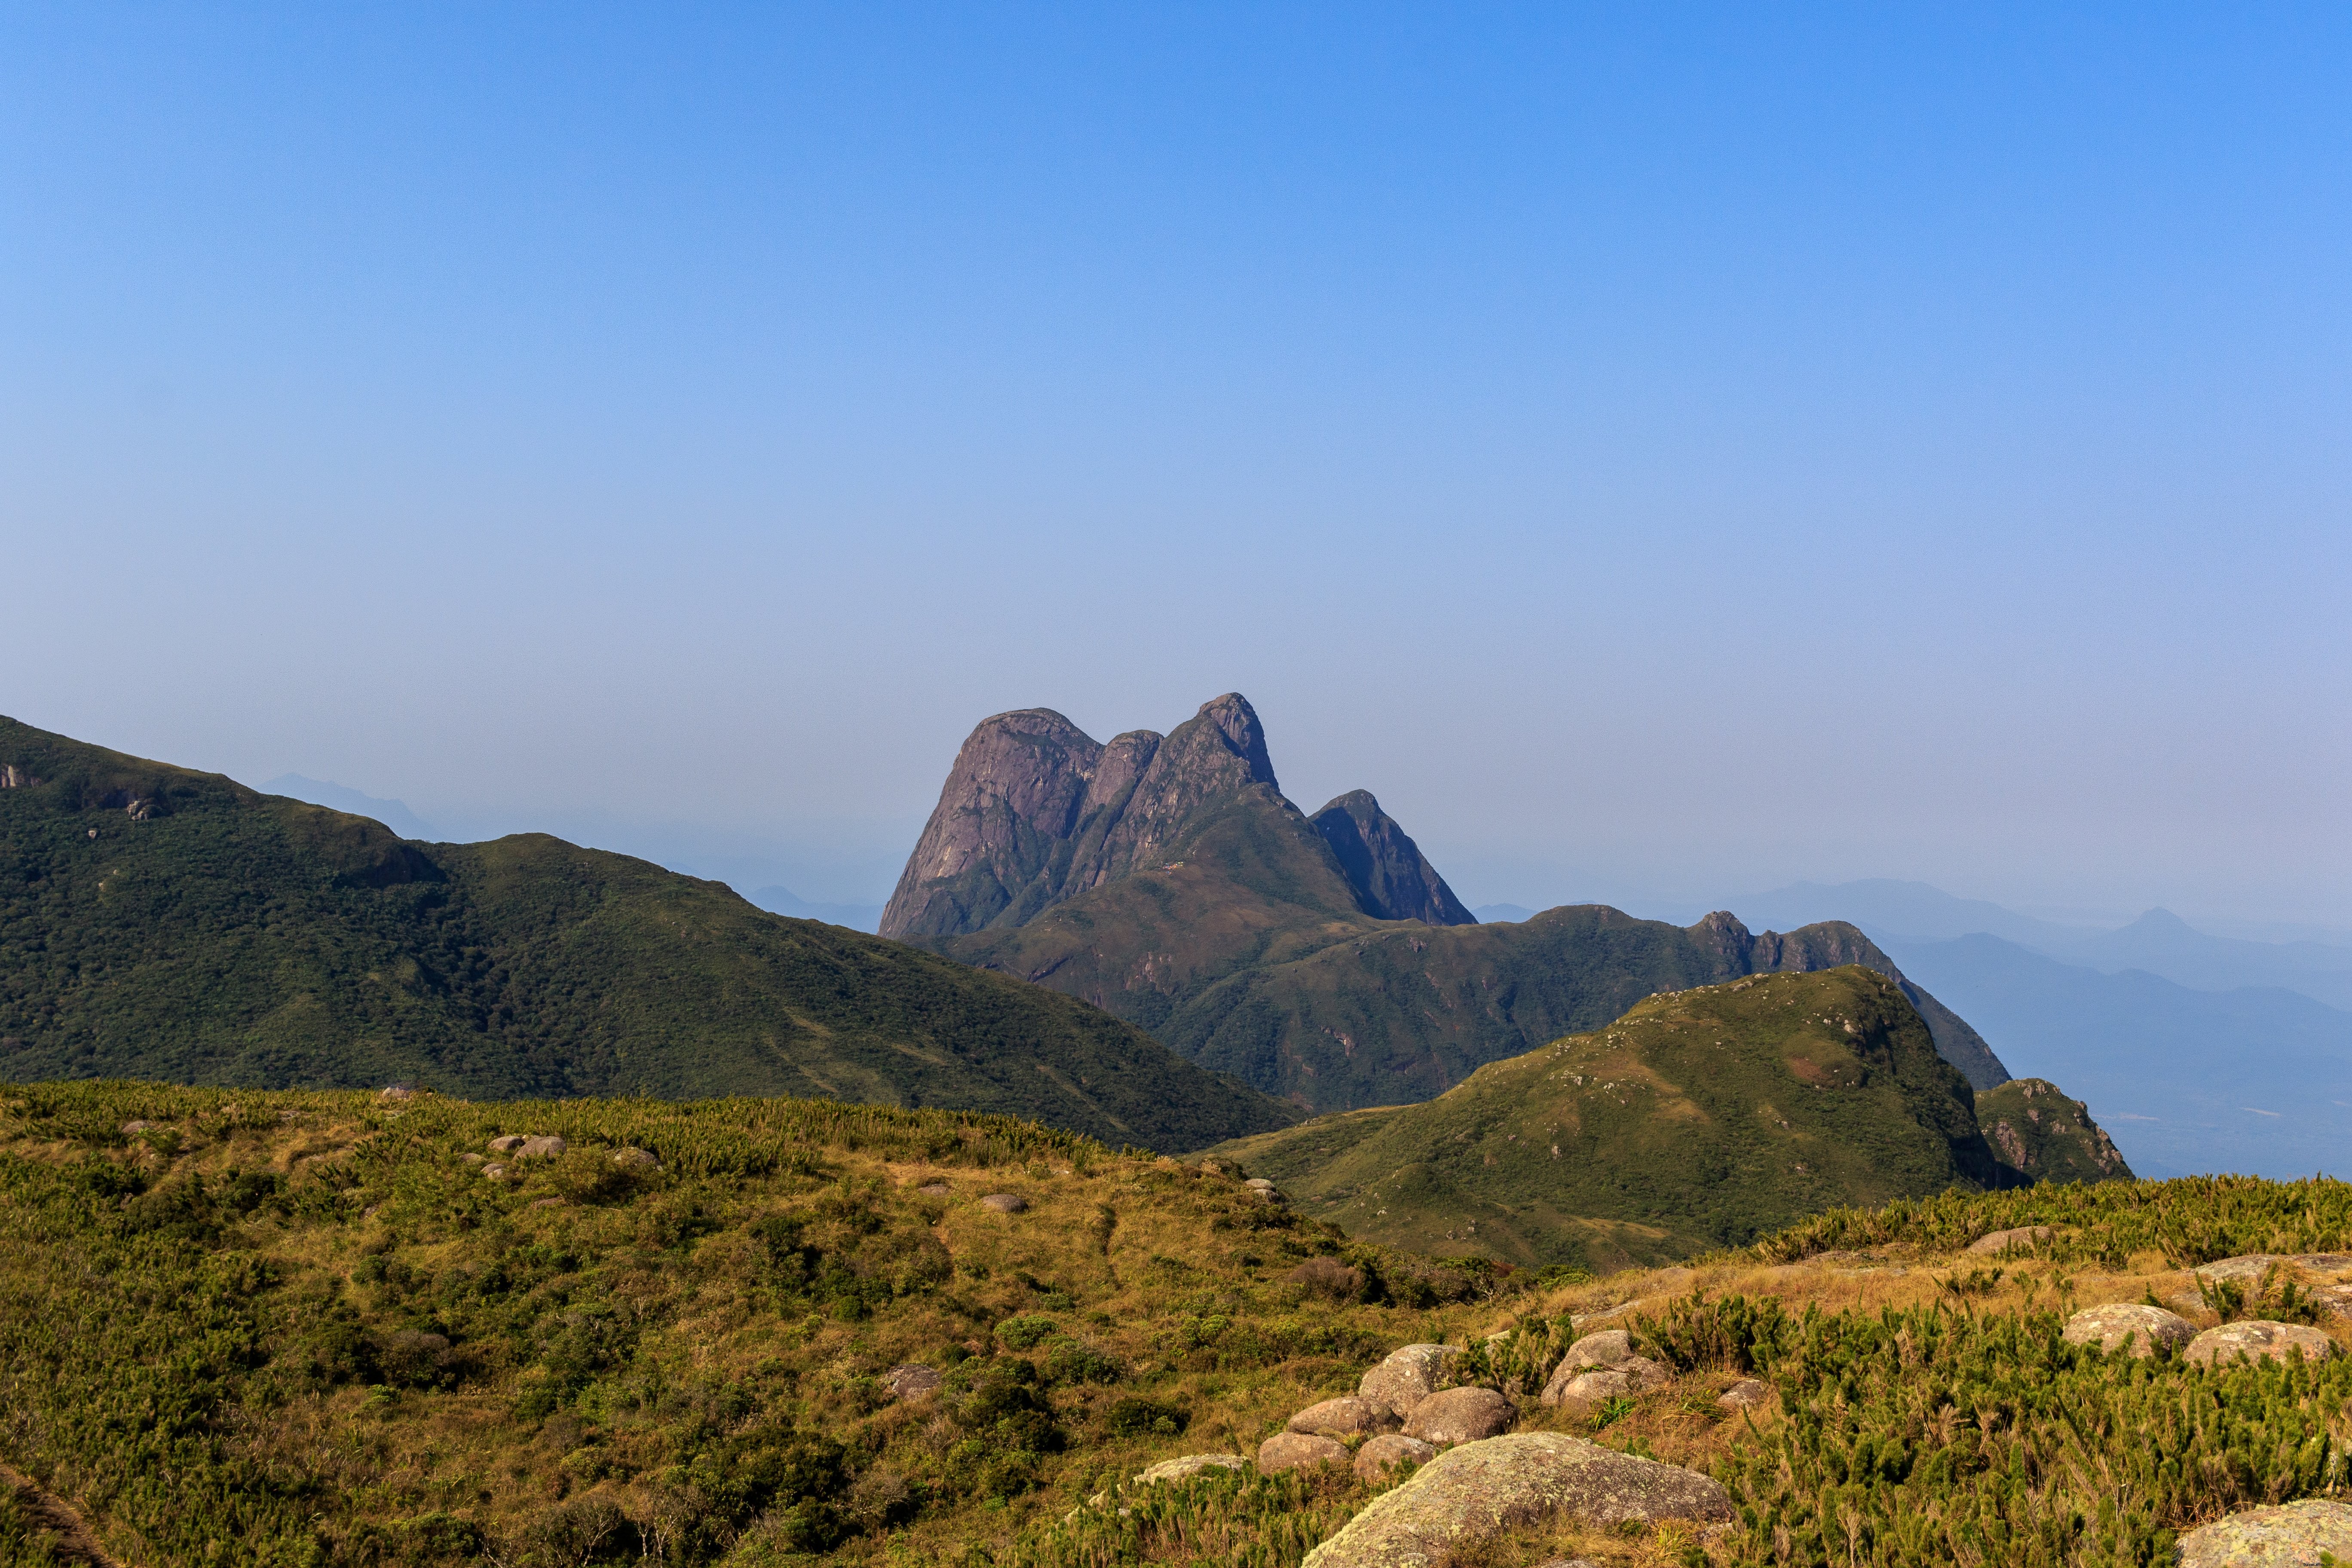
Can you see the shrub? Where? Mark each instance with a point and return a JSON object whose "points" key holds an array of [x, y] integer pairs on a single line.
{"points": [[1021, 1332]]}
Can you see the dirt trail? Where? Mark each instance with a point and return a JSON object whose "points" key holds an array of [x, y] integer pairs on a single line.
{"points": [[74, 1537]]}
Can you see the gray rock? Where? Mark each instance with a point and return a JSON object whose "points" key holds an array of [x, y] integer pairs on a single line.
{"points": [[1460, 1416], [2254, 1265], [1584, 1392], [2144, 1327], [935, 1190], [1295, 1450], [636, 1158], [133, 1128], [1191, 1465], [2257, 1340], [1748, 1394], [396, 1091], [1004, 1203], [1380, 1455], [545, 1148], [2002, 1240], [1606, 1348], [1468, 1494], [495, 1172], [1407, 1377], [2292, 1536], [911, 1382], [1345, 1416], [508, 1144]]}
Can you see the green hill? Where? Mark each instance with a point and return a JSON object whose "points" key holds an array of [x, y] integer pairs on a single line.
{"points": [[1699, 1119], [2034, 1130], [1169, 881], [158, 922]]}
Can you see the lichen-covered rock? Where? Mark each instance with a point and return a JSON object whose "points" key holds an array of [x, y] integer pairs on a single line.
{"points": [[1345, 1416], [2257, 1339], [2292, 1536], [1295, 1450], [1380, 1455], [2253, 1266], [635, 1159], [1584, 1392], [1468, 1494], [1748, 1394], [911, 1382], [1004, 1203], [1407, 1377], [1191, 1465], [1606, 1348], [2002, 1240], [508, 1144], [1460, 1416], [2144, 1327], [544, 1148]]}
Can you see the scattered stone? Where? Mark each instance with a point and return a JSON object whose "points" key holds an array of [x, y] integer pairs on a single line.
{"points": [[1748, 1394], [1588, 1391], [2258, 1339], [636, 1158], [911, 1382], [495, 1172], [1380, 1455], [2002, 1240], [1407, 1377], [475, 1159], [1471, 1493], [540, 1148], [1345, 1416], [1295, 1450], [396, 1091], [133, 1128], [2254, 1265], [1264, 1188], [1606, 1348], [2144, 1327], [2292, 1536], [1601, 1366], [1191, 1465], [935, 1190], [1004, 1203], [1460, 1416], [508, 1144]]}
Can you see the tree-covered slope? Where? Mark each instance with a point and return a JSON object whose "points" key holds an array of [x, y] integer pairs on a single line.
{"points": [[159, 922], [1700, 1118]]}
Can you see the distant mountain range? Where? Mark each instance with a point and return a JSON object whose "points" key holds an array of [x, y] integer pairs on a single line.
{"points": [[1321, 958], [161, 923]]}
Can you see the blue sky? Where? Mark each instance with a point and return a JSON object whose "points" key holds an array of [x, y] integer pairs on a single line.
{"points": [[1661, 452]]}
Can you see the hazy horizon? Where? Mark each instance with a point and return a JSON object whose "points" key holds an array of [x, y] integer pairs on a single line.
{"points": [[1660, 455]]}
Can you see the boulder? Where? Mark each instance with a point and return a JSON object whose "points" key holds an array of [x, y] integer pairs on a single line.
{"points": [[540, 1148], [2257, 1339], [2291, 1536], [1191, 1465], [495, 1172], [396, 1091], [635, 1158], [1748, 1394], [1471, 1493], [2253, 1266], [1606, 1348], [935, 1189], [1586, 1390], [1345, 1417], [133, 1128], [1380, 1455], [508, 1144], [1297, 1450], [2144, 1327], [1460, 1416], [911, 1382], [1004, 1203], [1407, 1377], [1601, 1366], [2002, 1240]]}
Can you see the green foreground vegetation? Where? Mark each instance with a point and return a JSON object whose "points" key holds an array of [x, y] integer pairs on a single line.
{"points": [[307, 1328], [160, 924]]}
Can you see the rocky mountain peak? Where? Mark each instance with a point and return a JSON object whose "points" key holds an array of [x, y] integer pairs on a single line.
{"points": [[1392, 879], [1236, 722]]}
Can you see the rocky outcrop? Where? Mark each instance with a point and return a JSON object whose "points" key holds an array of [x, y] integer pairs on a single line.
{"points": [[2291, 1536], [1345, 1417], [1191, 1465], [2142, 1327], [2257, 1340], [1004, 1203], [2041, 1135], [1407, 1377], [1297, 1450], [2002, 1240], [1748, 1394], [1392, 879], [1380, 1455], [911, 1382], [1460, 1416], [1474, 1492]]}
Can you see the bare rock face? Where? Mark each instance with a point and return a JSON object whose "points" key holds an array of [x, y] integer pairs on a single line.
{"points": [[2292, 1536], [1293, 1451], [911, 1382], [2002, 1240], [1748, 1394], [1477, 1490], [2257, 1340], [1605, 1348], [1345, 1416], [2144, 1327], [1191, 1465], [1601, 1366], [1460, 1416], [1380, 1455], [1004, 1203], [2254, 1265], [1407, 1377], [1392, 879]]}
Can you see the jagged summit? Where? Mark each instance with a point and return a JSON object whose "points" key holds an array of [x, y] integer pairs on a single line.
{"points": [[1036, 812], [1393, 878]]}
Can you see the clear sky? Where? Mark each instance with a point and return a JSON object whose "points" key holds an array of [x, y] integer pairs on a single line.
{"points": [[1661, 450]]}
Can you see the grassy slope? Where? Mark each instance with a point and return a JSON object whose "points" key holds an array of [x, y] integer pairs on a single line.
{"points": [[1699, 1119], [221, 936], [200, 1347]]}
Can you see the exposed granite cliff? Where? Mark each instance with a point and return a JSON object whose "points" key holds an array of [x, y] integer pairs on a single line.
{"points": [[1392, 879]]}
